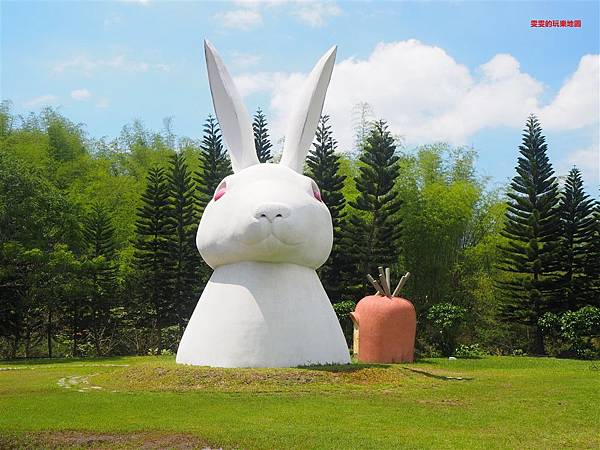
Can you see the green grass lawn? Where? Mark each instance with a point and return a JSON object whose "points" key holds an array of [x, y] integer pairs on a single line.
{"points": [[495, 402]]}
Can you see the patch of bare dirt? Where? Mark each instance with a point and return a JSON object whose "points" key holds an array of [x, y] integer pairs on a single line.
{"points": [[97, 440]]}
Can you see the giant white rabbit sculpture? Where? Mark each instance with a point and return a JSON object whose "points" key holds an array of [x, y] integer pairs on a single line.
{"points": [[264, 233]]}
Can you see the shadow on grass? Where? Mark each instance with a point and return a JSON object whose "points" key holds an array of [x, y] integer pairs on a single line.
{"points": [[430, 361], [45, 360], [348, 368], [355, 365], [436, 376]]}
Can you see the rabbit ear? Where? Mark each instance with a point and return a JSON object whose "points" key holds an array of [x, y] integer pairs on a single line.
{"points": [[232, 115], [305, 117]]}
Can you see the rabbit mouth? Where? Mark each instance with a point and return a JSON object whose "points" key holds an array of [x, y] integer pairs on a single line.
{"points": [[270, 239], [270, 235]]}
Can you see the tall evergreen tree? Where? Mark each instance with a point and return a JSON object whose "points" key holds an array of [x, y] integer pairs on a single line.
{"points": [[324, 168], [374, 229], [214, 163], [99, 233], [99, 238], [261, 137], [153, 226], [183, 255], [577, 222], [532, 228], [592, 261]]}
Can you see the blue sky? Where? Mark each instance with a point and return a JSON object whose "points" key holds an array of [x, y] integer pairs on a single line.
{"points": [[463, 72]]}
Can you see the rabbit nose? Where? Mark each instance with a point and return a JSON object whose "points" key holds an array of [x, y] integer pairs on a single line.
{"points": [[271, 211]]}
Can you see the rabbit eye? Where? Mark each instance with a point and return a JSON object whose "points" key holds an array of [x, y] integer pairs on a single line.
{"points": [[220, 192], [316, 192]]}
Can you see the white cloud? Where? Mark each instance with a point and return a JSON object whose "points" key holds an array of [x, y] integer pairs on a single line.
{"points": [[503, 97], [500, 66], [585, 159], [241, 19], [42, 100], [426, 95], [244, 60], [315, 13], [80, 94], [577, 102], [265, 81], [249, 13], [88, 65]]}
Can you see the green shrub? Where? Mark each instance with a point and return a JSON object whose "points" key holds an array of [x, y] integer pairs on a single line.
{"points": [[425, 349], [472, 351], [342, 311], [573, 333], [445, 320], [344, 308], [583, 322]]}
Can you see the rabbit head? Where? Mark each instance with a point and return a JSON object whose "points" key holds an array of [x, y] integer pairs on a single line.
{"points": [[266, 212]]}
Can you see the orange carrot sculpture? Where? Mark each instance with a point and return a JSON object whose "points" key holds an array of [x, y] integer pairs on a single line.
{"points": [[384, 324]]}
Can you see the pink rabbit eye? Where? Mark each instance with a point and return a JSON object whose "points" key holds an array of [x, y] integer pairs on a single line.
{"points": [[220, 192], [316, 192]]}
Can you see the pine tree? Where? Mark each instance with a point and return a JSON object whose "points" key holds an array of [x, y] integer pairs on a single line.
{"points": [[532, 229], [592, 261], [214, 163], [183, 255], [99, 233], [374, 229], [152, 252], [261, 137], [324, 168], [577, 222], [99, 238]]}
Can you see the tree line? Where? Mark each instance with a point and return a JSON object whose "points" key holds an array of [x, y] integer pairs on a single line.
{"points": [[98, 255]]}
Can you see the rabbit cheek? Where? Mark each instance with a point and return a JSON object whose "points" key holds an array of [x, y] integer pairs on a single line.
{"points": [[254, 232], [288, 232]]}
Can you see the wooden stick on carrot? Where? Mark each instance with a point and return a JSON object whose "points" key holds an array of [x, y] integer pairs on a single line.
{"points": [[383, 282], [375, 284], [388, 276], [401, 284]]}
